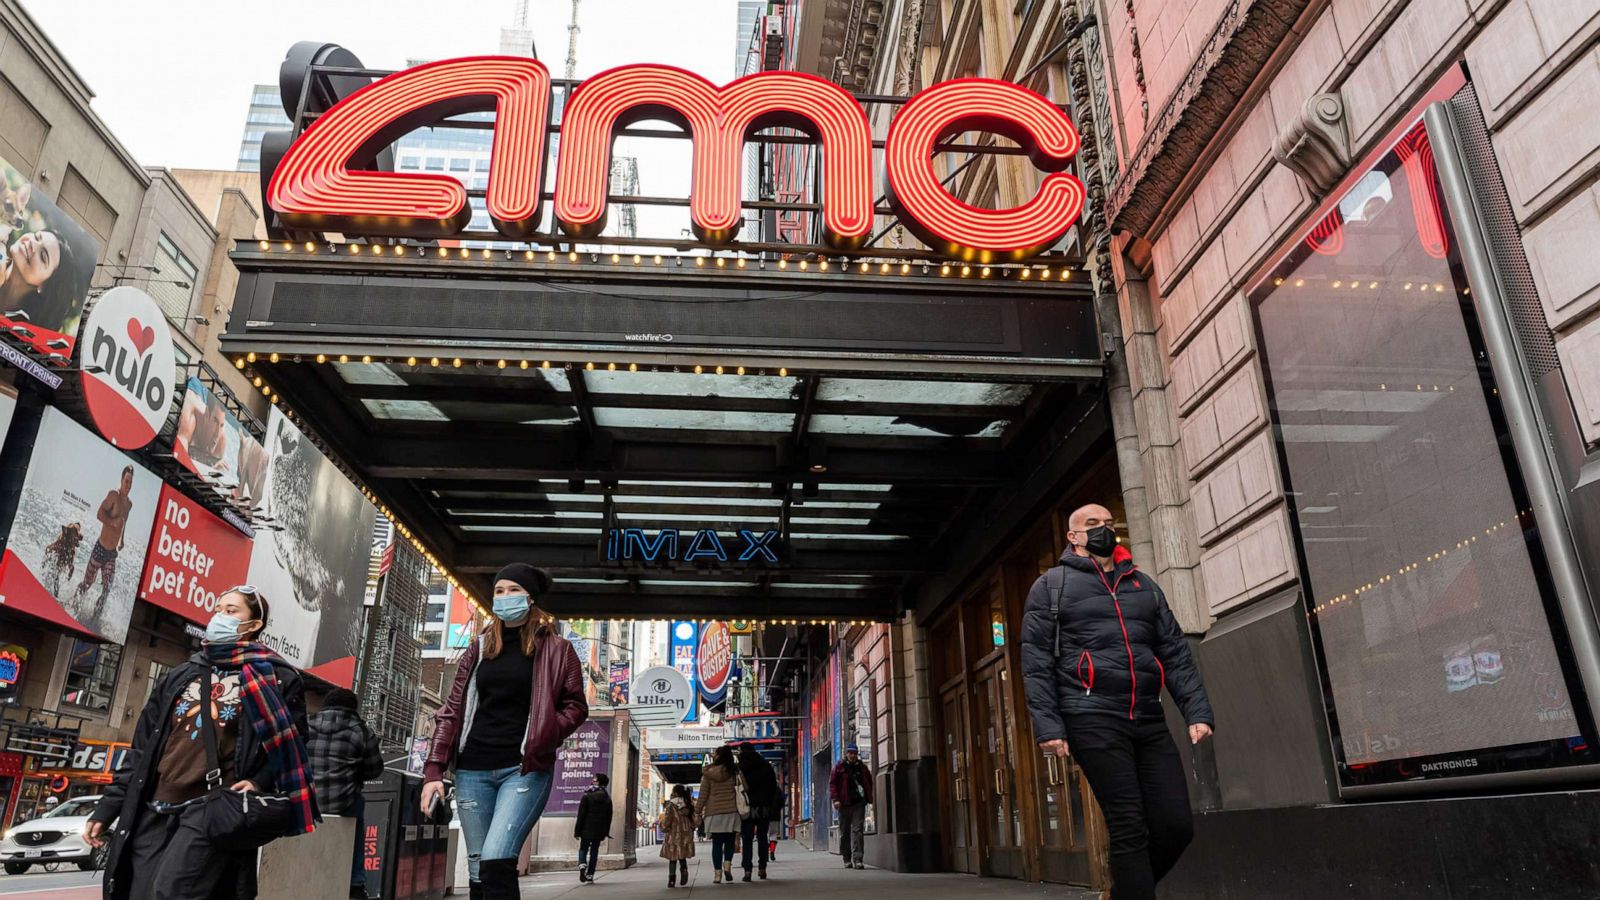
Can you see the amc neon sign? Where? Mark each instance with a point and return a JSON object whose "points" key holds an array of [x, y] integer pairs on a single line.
{"points": [[313, 187]]}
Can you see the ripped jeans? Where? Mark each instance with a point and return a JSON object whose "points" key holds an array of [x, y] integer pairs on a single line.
{"points": [[498, 809]]}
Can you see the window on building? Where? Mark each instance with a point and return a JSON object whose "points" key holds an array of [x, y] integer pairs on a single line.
{"points": [[22, 129], [435, 164], [410, 162], [460, 165], [158, 671], [480, 184], [92, 675], [174, 287], [480, 165], [86, 205]]}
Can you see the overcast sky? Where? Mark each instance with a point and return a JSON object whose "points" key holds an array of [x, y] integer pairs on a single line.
{"points": [[172, 78]]}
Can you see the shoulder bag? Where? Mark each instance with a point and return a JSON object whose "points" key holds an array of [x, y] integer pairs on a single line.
{"points": [[231, 819]]}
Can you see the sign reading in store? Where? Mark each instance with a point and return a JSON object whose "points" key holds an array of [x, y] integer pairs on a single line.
{"points": [[706, 545], [129, 369], [714, 662], [316, 187]]}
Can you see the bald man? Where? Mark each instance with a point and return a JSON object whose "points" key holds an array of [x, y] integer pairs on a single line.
{"points": [[1098, 644]]}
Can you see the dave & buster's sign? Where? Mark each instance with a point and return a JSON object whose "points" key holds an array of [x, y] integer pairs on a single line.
{"points": [[313, 187]]}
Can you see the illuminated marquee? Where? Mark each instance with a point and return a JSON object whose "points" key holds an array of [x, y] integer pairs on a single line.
{"points": [[321, 183]]}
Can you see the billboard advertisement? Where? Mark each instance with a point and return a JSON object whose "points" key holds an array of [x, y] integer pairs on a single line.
{"points": [[458, 631], [129, 367], [311, 561], [584, 755], [620, 670], [194, 556], [682, 644], [212, 443], [77, 546], [45, 271], [664, 686]]}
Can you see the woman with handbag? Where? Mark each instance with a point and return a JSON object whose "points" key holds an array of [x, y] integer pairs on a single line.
{"points": [[518, 693], [218, 767], [721, 797], [761, 789], [677, 824]]}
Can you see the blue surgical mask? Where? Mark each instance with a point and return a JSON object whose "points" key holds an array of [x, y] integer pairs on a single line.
{"points": [[223, 629], [512, 609]]}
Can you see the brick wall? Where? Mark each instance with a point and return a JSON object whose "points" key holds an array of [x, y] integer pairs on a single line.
{"points": [[1536, 68]]}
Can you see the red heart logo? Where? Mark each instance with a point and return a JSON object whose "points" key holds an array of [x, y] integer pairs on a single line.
{"points": [[141, 334]]}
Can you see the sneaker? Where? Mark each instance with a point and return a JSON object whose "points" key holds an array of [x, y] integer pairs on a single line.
{"points": [[860, 865]]}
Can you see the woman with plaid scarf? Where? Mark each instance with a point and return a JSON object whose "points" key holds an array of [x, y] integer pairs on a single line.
{"points": [[152, 809]]}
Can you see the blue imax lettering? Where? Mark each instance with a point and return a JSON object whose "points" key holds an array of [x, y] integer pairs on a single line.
{"points": [[705, 545]]}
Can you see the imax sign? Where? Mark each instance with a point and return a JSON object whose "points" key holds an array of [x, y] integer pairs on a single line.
{"points": [[703, 546]]}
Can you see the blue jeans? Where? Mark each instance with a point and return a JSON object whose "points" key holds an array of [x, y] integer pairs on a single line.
{"points": [[721, 850], [498, 809], [588, 855]]}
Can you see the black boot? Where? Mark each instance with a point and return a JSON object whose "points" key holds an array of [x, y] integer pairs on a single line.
{"points": [[672, 874], [499, 877], [474, 890], [683, 871]]}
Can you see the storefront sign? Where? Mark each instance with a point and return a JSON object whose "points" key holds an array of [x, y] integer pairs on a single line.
{"points": [[664, 686], [77, 545], [193, 557], [87, 758], [315, 187], [128, 367], [12, 659], [714, 662], [754, 727], [705, 545], [582, 756]]}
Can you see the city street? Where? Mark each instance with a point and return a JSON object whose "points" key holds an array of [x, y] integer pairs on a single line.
{"points": [[67, 884]]}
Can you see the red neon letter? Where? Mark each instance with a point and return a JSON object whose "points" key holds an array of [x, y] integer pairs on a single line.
{"points": [[719, 121], [959, 229], [1416, 158], [313, 188]]}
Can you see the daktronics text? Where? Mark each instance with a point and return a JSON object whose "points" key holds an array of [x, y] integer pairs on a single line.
{"points": [[313, 186]]}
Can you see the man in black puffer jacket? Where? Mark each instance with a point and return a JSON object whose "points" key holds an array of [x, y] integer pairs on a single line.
{"points": [[1098, 644]]}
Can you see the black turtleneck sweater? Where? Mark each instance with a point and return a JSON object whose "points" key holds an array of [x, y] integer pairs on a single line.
{"points": [[505, 693]]}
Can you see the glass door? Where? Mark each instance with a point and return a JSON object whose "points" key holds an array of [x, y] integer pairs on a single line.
{"points": [[997, 745], [958, 830]]}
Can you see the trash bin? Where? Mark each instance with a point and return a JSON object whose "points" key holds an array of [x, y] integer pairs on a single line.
{"points": [[401, 845]]}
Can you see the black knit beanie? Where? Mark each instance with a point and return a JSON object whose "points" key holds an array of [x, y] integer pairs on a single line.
{"points": [[533, 579]]}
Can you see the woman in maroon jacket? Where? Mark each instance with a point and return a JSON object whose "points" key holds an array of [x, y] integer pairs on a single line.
{"points": [[518, 694]]}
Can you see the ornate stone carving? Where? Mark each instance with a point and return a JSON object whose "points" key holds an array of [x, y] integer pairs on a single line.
{"points": [[1097, 154], [1314, 144], [1246, 35], [853, 67]]}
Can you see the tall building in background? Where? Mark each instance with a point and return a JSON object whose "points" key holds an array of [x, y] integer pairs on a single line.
{"points": [[266, 114], [745, 41]]}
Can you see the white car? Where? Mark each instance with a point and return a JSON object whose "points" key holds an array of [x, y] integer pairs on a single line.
{"points": [[55, 837]]}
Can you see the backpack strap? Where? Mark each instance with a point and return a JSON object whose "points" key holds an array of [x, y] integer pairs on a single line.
{"points": [[1059, 573]]}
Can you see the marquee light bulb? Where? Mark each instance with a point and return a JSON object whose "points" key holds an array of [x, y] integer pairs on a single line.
{"points": [[273, 356], [366, 359]]}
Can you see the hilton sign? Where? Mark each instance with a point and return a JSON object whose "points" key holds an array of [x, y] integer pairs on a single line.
{"points": [[313, 187]]}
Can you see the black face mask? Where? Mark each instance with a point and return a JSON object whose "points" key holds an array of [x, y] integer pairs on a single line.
{"points": [[1100, 541]]}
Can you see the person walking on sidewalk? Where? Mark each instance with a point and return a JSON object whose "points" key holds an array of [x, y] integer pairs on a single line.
{"points": [[677, 824], [253, 704], [593, 825], [761, 788], [1098, 644], [344, 753], [518, 693], [718, 810], [850, 788]]}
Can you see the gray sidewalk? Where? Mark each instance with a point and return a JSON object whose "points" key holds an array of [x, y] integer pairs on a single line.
{"points": [[798, 873]]}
